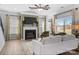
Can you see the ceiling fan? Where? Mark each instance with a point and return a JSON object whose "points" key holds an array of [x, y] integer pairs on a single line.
{"points": [[40, 6]]}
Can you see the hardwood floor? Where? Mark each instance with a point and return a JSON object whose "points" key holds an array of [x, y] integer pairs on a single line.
{"points": [[24, 47], [17, 47]]}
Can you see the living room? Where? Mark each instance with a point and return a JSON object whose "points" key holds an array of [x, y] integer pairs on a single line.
{"points": [[34, 29]]}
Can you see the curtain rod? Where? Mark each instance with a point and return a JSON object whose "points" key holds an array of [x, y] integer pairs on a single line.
{"points": [[63, 12]]}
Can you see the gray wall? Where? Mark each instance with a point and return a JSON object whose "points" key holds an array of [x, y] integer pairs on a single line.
{"points": [[2, 39]]}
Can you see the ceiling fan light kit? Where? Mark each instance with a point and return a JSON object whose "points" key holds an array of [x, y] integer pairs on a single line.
{"points": [[40, 7]]}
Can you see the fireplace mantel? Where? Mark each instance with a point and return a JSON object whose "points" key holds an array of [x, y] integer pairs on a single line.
{"points": [[29, 27]]}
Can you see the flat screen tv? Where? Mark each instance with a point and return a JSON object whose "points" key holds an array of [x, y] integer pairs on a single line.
{"points": [[29, 20]]}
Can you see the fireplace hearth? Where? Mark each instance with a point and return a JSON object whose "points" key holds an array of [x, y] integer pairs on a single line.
{"points": [[30, 34]]}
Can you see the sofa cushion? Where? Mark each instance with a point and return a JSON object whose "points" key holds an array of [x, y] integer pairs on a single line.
{"points": [[54, 39], [50, 40], [68, 37]]}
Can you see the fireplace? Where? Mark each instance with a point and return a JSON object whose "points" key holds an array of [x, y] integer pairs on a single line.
{"points": [[30, 34]]}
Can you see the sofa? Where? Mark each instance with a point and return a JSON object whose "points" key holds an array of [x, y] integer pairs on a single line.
{"points": [[54, 45]]}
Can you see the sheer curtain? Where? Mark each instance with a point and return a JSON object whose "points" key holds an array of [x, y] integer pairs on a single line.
{"points": [[13, 26]]}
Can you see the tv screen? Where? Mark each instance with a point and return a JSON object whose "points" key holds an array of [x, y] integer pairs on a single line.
{"points": [[29, 20]]}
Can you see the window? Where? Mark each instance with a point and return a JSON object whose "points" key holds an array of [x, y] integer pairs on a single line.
{"points": [[64, 25], [14, 25]]}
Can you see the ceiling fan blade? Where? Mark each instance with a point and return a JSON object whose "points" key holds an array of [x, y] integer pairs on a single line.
{"points": [[33, 7], [46, 5], [37, 5], [45, 8]]}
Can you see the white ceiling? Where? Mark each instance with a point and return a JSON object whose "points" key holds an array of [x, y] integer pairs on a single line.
{"points": [[54, 8]]}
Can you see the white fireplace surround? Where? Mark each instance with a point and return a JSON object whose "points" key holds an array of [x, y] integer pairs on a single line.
{"points": [[29, 27]]}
